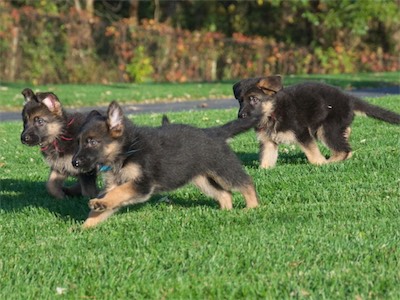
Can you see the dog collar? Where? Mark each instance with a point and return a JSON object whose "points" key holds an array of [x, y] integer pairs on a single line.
{"points": [[64, 138], [103, 168], [55, 145]]}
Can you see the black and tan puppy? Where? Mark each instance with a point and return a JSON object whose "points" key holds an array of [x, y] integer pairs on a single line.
{"points": [[302, 114], [47, 125], [140, 161]]}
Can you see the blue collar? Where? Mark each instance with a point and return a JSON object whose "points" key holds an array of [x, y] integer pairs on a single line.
{"points": [[103, 168]]}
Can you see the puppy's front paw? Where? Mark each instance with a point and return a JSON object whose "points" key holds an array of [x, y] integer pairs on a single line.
{"points": [[56, 193], [98, 205]]}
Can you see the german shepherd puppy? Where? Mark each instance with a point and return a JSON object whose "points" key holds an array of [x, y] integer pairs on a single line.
{"points": [[140, 161], [46, 124], [302, 114]]}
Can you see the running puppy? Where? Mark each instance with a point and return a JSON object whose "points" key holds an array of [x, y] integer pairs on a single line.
{"points": [[140, 161], [302, 114], [47, 125]]}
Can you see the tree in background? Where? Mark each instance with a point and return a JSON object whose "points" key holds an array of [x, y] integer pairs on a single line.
{"points": [[86, 39]]}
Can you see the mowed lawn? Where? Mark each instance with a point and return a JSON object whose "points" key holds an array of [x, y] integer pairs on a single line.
{"points": [[77, 95], [328, 232]]}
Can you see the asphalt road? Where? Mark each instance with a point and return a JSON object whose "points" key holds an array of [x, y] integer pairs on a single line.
{"points": [[200, 104]]}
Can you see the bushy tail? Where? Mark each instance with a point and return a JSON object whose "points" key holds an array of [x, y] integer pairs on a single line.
{"points": [[375, 111], [233, 128]]}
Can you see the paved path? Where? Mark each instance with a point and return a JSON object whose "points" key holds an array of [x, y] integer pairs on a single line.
{"points": [[200, 104]]}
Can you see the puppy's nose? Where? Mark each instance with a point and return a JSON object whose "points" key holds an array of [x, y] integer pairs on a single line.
{"points": [[25, 138], [76, 163], [242, 115]]}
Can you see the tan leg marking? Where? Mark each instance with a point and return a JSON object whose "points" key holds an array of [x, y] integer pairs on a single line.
{"points": [[250, 195], [339, 156], [268, 151], [54, 184], [121, 195], [223, 197], [95, 218], [313, 154]]}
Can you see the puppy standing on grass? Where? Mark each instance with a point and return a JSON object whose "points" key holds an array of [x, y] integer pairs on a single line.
{"points": [[140, 161], [302, 114], [46, 124]]}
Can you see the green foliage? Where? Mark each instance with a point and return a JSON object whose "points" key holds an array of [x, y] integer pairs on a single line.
{"points": [[45, 62], [328, 232], [335, 62], [53, 41], [140, 67]]}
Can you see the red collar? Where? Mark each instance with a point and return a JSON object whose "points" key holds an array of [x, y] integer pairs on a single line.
{"points": [[55, 142]]}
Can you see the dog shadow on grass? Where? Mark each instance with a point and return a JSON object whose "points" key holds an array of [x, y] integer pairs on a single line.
{"points": [[251, 160], [20, 195]]}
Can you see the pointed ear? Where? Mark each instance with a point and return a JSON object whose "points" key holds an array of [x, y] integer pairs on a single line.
{"points": [[270, 85], [93, 114], [237, 89], [28, 94], [115, 119], [242, 86], [51, 101]]}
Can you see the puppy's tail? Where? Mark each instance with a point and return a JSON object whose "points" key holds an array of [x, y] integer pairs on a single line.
{"points": [[165, 120], [234, 127], [375, 112]]}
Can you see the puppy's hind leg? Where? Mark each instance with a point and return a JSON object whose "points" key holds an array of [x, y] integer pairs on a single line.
{"points": [[337, 140], [249, 193], [313, 154], [209, 187]]}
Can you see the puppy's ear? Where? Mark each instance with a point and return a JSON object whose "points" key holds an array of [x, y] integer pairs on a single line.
{"points": [[51, 101], [270, 85], [237, 89], [241, 87], [115, 119], [28, 94], [92, 114]]}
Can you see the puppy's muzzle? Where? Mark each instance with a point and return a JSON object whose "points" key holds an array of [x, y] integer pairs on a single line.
{"points": [[76, 162], [29, 139], [242, 115]]}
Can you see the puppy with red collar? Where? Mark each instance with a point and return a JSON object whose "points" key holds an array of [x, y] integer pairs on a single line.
{"points": [[48, 125]]}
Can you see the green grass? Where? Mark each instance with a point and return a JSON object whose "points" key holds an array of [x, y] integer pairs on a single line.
{"points": [[76, 95], [329, 232]]}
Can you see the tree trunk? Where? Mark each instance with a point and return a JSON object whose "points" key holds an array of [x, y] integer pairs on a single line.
{"points": [[90, 8], [157, 10], [134, 11], [14, 53], [78, 6]]}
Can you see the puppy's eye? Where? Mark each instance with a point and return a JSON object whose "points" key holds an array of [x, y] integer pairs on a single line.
{"points": [[92, 142], [254, 100], [39, 121]]}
